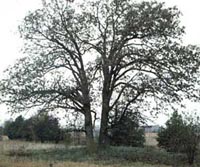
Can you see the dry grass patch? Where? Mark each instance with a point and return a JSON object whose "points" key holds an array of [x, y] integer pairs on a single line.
{"points": [[16, 154], [16, 145], [27, 163], [151, 139]]}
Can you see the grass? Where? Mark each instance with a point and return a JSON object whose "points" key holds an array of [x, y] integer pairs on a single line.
{"points": [[69, 164], [26, 154]]}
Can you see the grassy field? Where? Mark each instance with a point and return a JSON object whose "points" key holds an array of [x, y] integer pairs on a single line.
{"points": [[26, 154]]}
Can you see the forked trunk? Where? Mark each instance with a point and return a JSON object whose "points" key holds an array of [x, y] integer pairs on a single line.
{"points": [[106, 94]]}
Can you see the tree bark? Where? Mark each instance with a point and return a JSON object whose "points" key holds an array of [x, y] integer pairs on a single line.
{"points": [[89, 128], [87, 108], [103, 136], [106, 95]]}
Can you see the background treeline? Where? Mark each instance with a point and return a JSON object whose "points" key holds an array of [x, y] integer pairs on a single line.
{"points": [[123, 131], [37, 128], [180, 136]]}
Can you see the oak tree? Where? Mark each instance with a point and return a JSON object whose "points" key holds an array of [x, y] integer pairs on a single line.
{"points": [[132, 51]]}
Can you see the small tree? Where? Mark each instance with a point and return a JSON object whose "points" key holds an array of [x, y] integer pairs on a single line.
{"points": [[169, 137], [125, 130], [14, 129], [181, 135], [191, 138], [47, 128], [28, 130]]}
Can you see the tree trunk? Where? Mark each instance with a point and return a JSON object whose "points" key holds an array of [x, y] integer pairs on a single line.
{"points": [[191, 155], [89, 129], [103, 135], [106, 95], [87, 109]]}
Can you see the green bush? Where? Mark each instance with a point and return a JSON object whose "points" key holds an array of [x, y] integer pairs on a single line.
{"points": [[126, 131], [14, 129], [41, 127], [181, 136], [171, 137]]}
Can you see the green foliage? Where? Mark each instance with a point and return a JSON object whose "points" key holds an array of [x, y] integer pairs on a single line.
{"points": [[14, 129], [47, 128], [126, 131], [181, 135], [28, 130], [42, 127], [110, 155], [191, 138], [146, 154], [170, 138], [132, 50], [1, 131]]}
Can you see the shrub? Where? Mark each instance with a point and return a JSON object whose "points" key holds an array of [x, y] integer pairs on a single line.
{"points": [[47, 128], [127, 132], [41, 127], [14, 129], [170, 138], [181, 136]]}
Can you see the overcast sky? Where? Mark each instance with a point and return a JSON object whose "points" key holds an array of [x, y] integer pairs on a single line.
{"points": [[13, 11]]}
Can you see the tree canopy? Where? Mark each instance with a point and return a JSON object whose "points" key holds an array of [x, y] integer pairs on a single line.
{"points": [[106, 53]]}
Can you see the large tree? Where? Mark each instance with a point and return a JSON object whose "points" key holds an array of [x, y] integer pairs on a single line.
{"points": [[132, 51]]}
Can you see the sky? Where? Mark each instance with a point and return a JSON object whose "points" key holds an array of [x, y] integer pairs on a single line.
{"points": [[12, 13]]}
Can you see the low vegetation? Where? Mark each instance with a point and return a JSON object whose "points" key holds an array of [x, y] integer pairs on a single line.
{"points": [[177, 142], [41, 127], [178, 145], [181, 135], [27, 154]]}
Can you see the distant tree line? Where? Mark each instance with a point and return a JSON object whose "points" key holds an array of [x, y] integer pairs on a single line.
{"points": [[37, 128], [124, 130]]}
